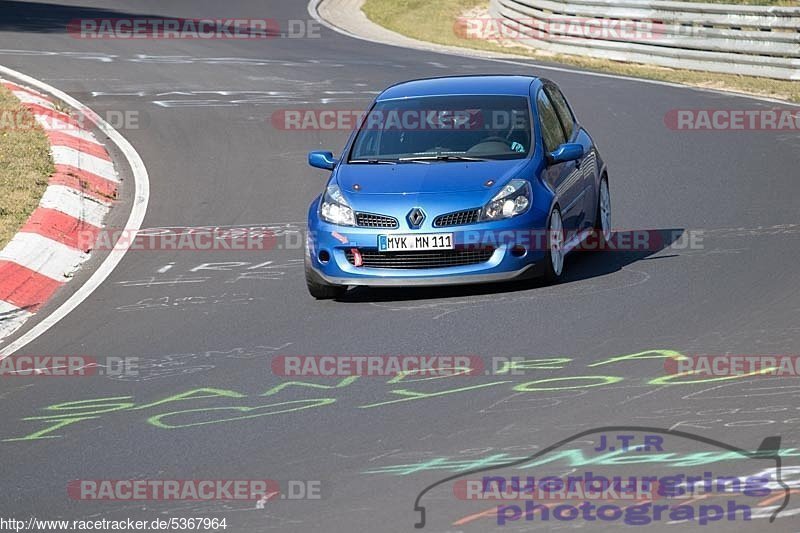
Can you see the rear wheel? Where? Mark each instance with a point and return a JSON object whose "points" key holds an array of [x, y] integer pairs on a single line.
{"points": [[554, 267]]}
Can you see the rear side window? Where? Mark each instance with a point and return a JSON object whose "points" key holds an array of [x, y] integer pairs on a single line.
{"points": [[552, 132], [562, 108]]}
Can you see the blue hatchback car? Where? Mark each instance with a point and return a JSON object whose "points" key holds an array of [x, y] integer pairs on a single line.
{"points": [[456, 180]]}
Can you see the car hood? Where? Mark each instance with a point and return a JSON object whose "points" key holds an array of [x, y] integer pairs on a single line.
{"points": [[420, 178]]}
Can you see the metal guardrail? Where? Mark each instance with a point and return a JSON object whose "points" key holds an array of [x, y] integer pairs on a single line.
{"points": [[734, 39]]}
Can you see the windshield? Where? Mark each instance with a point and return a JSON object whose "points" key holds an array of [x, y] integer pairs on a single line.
{"points": [[444, 128]]}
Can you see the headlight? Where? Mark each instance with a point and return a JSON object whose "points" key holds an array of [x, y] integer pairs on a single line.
{"points": [[513, 200], [334, 208]]}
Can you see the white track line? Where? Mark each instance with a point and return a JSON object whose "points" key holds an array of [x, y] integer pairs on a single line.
{"points": [[134, 223]]}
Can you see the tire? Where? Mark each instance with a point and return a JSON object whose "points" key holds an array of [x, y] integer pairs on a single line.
{"points": [[554, 265], [602, 219], [322, 291]]}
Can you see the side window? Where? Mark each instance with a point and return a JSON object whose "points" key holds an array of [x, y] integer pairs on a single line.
{"points": [[562, 108], [552, 133]]}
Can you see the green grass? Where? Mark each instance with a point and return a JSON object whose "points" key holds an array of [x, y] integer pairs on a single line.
{"points": [[25, 164], [435, 22]]}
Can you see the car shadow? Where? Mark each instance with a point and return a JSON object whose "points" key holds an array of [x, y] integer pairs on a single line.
{"points": [[579, 266]]}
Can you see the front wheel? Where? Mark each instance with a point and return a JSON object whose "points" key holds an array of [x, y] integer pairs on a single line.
{"points": [[602, 222], [322, 291], [554, 267]]}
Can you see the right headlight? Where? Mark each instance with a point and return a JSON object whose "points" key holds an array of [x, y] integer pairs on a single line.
{"points": [[334, 208], [514, 199]]}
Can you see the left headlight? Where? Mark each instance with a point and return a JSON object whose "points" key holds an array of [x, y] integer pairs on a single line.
{"points": [[514, 199], [334, 208]]}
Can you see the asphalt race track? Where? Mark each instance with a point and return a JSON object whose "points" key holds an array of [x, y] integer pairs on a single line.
{"points": [[205, 333]]}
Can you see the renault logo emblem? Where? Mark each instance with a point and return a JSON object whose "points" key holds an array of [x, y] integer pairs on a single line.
{"points": [[415, 217]]}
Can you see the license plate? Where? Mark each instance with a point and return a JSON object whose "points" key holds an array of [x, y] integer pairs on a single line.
{"points": [[422, 241]]}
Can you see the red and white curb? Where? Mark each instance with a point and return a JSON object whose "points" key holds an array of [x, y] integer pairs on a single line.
{"points": [[50, 246]]}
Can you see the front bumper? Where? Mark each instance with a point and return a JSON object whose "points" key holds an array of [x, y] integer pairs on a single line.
{"points": [[502, 265], [422, 281]]}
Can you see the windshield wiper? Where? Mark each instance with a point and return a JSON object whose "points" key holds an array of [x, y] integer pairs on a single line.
{"points": [[390, 161], [442, 157], [374, 161]]}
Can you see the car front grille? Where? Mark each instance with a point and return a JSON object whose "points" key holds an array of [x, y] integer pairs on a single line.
{"points": [[458, 218], [426, 259], [371, 220]]}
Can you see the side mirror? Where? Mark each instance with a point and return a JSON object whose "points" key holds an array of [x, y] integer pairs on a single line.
{"points": [[323, 160], [566, 152]]}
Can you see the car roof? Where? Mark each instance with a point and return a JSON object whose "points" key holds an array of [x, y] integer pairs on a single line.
{"points": [[511, 85]]}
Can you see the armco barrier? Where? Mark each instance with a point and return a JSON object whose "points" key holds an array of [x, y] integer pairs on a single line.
{"points": [[734, 39]]}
